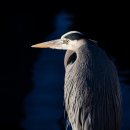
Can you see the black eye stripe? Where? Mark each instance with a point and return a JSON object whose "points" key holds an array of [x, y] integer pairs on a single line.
{"points": [[75, 36]]}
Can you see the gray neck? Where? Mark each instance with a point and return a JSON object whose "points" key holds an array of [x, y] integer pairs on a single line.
{"points": [[101, 79]]}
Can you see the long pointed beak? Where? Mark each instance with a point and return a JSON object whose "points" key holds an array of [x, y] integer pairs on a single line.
{"points": [[54, 44]]}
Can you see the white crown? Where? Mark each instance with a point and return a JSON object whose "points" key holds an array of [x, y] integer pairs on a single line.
{"points": [[70, 32]]}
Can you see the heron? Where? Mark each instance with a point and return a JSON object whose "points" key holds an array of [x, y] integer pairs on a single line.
{"points": [[91, 86]]}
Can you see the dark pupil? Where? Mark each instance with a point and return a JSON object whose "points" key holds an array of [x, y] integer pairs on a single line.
{"points": [[65, 41]]}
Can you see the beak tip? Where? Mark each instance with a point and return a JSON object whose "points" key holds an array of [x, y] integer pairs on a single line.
{"points": [[33, 46]]}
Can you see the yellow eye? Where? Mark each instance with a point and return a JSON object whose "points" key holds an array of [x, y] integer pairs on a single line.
{"points": [[66, 41]]}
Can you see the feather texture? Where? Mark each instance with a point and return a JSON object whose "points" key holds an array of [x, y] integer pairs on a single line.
{"points": [[91, 90]]}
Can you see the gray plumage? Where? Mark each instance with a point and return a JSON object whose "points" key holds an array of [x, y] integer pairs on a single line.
{"points": [[91, 91]]}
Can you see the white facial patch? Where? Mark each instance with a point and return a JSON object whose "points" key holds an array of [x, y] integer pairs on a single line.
{"points": [[64, 46]]}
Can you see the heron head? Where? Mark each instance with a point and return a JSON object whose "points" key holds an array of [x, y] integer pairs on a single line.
{"points": [[69, 41]]}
